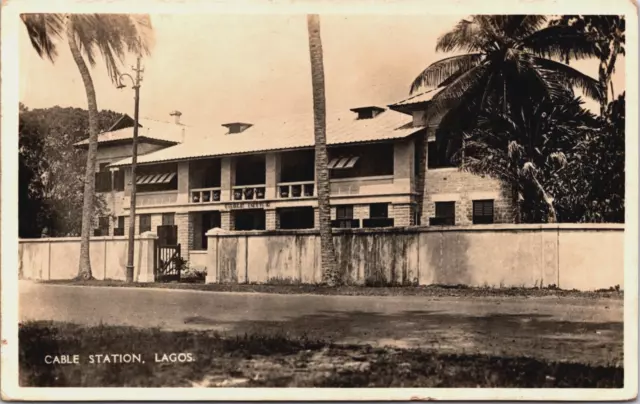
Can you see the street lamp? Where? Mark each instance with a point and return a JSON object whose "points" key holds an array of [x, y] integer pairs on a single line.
{"points": [[135, 84]]}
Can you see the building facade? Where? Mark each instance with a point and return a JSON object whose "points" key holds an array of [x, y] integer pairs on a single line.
{"points": [[261, 176]]}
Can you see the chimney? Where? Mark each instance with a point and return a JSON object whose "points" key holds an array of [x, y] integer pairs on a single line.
{"points": [[237, 127], [176, 116], [368, 112]]}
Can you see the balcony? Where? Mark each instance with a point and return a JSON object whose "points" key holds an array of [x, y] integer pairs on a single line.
{"points": [[293, 190], [204, 195], [248, 192]]}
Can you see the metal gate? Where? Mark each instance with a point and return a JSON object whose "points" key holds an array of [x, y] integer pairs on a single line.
{"points": [[168, 263]]}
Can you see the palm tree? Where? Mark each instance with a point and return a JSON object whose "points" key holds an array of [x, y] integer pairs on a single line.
{"points": [[508, 62], [113, 35], [327, 250], [507, 57]]}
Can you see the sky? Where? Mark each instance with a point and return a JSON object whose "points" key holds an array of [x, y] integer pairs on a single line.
{"points": [[224, 68]]}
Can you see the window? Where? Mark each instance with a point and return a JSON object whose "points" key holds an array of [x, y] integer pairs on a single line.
{"points": [[103, 178], [378, 216], [344, 218], [483, 212], [297, 166], [437, 157], [344, 212], [250, 219], [361, 161], [296, 218], [118, 180], [209, 220], [168, 219], [205, 173], [119, 229], [103, 226], [445, 214], [145, 223], [157, 177], [379, 210], [250, 170]]}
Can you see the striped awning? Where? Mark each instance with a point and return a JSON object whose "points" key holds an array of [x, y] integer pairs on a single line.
{"points": [[342, 163], [155, 178]]}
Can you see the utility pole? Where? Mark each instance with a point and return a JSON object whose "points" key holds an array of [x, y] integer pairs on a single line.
{"points": [[134, 162]]}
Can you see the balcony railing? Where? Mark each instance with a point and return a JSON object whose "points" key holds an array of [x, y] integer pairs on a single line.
{"points": [[204, 195], [304, 189], [247, 192]]}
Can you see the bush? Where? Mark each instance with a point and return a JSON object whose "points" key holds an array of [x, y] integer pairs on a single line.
{"points": [[193, 274]]}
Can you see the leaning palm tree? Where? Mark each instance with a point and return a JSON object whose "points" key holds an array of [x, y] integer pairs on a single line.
{"points": [[510, 61], [327, 251], [113, 35]]}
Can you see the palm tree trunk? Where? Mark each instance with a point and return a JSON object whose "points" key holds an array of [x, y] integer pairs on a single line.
{"points": [[84, 270], [327, 250], [552, 217], [421, 177], [602, 78], [611, 63]]}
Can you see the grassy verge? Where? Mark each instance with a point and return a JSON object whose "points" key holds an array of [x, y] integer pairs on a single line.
{"points": [[431, 290], [273, 361]]}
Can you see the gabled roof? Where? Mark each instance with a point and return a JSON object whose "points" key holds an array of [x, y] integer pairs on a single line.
{"points": [[407, 104], [122, 130], [291, 132]]}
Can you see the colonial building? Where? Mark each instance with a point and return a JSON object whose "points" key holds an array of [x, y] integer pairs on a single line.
{"points": [[261, 175]]}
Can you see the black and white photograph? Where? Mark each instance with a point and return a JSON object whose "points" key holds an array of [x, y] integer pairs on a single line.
{"points": [[383, 203]]}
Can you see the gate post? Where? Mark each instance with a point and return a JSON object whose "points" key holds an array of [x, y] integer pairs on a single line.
{"points": [[212, 255], [147, 257]]}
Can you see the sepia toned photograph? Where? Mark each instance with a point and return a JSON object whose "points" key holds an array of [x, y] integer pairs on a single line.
{"points": [[225, 202]]}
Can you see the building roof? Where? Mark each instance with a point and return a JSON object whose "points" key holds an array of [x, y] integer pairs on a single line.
{"points": [[149, 128], [280, 134], [424, 96]]}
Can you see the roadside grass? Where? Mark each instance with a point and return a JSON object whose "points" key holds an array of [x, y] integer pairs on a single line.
{"points": [[257, 360], [353, 290]]}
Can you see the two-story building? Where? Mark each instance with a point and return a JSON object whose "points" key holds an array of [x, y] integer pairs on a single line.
{"points": [[261, 175]]}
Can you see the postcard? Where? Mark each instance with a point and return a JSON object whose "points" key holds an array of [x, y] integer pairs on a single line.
{"points": [[296, 200]]}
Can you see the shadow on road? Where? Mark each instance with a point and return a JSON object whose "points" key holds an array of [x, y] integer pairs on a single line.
{"points": [[531, 335]]}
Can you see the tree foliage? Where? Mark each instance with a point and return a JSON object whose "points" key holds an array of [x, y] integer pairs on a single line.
{"points": [[566, 164], [111, 35], [51, 169], [507, 109], [592, 188], [606, 34], [511, 61]]}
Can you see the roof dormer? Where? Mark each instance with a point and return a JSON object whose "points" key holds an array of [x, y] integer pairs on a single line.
{"points": [[237, 127], [368, 112]]}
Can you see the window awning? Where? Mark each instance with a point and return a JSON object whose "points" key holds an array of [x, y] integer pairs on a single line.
{"points": [[342, 163], [155, 179]]}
